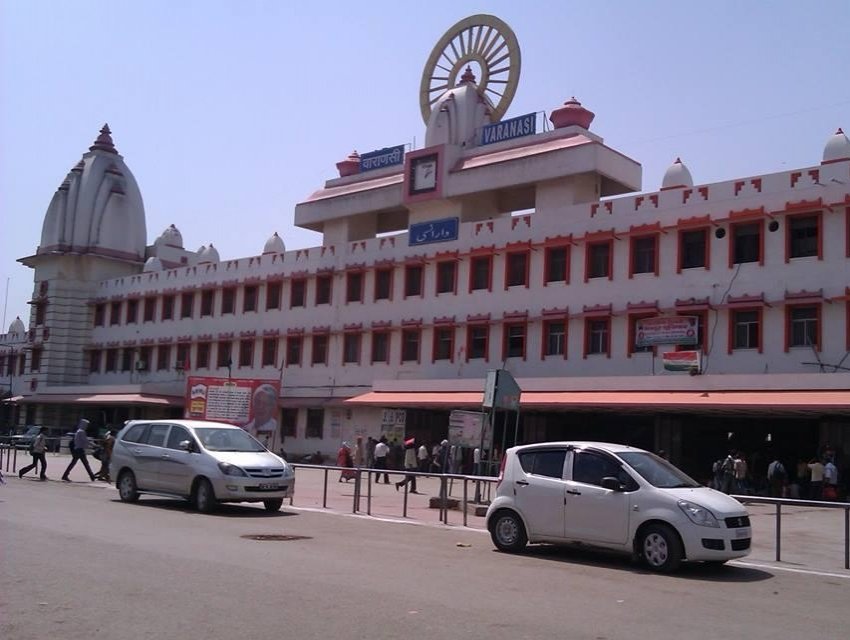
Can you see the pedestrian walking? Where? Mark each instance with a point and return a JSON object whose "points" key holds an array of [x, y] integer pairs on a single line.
{"points": [[80, 444], [776, 476], [830, 481], [422, 455], [410, 464], [37, 451], [381, 452], [106, 456], [816, 482], [344, 459]]}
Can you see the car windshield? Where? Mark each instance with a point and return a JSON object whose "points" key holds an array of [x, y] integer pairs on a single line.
{"points": [[219, 439], [657, 471]]}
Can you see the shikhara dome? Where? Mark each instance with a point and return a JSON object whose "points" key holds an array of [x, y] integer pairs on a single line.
{"points": [[98, 208], [17, 326], [837, 147], [274, 245], [208, 254], [677, 175], [170, 237]]}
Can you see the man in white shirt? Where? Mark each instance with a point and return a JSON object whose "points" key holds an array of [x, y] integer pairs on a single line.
{"points": [[423, 458], [81, 443], [816, 470], [381, 451]]}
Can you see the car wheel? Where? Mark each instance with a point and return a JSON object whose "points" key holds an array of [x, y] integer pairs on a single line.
{"points": [[508, 532], [204, 496], [127, 489], [273, 504], [660, 548]]}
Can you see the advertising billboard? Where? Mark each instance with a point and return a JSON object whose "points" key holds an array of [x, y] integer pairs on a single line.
{"points": [[666, 330]]}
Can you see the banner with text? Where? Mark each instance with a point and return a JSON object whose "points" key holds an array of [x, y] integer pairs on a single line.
{"points": [[250, 403], [387, 157], [666, 330]]}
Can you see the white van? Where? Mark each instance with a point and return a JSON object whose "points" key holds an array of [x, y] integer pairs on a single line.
{"points": [[614, 497], [205, 462]]}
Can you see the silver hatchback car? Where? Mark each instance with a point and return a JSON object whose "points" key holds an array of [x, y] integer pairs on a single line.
{"points": [[204, 462]]}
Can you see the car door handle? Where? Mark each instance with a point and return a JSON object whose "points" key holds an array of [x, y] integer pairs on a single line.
{"points": [[573, 493], [165, 456], [522, 482], [137, 450]]}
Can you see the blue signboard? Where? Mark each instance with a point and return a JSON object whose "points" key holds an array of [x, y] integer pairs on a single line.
{"points": [[508, 129], [381, 158], [433, 231]]}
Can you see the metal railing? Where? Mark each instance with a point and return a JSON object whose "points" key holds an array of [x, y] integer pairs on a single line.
{"points": [[790, 502], [482, 488]]}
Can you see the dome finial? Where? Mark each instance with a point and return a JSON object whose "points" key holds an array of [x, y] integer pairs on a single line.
{"points": [[467, 76], [837, 148], [104, 141]]}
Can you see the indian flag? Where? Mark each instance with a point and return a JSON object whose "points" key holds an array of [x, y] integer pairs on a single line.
{"points": [[681, 360]]}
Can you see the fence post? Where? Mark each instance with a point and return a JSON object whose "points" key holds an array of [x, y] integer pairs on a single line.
{"points": [[847, 537], [778, 530], [369, 492], [465, 497], [404, 511], [325, 492]]}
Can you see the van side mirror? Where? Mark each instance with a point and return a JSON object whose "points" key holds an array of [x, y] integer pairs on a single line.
{"points": [[186, 445], [612, 483]]}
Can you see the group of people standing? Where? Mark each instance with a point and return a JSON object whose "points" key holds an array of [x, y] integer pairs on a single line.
{"points": [[809, 479], [79, 446]]}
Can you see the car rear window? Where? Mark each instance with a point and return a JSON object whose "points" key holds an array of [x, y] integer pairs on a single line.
{"points": [[547, 462]]}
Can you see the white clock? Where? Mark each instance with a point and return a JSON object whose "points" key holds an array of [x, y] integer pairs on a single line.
{"points": [[423, 174]]}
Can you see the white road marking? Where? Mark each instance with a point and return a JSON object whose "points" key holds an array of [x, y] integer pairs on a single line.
{"points": [[774, 567]]}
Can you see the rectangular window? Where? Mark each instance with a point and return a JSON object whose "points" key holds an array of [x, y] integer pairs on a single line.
{"points": [[803, 327], [555, 338], [380, 346], [167, 308], [228, 300], [293, 350], [747, 329], [556, 261], [516, 269], [383, 283], [145, 357], [315, 423], [477, 337], [479, 272], [207, 302], [444, 343], [320, 349], [273, 295], [599, 259], [182, 361], [163, 355], [514, 344], [297, 292], [111, 360], [35, 360], [410, 345], [746, 242], [99, 313], [150, 309], [447, 276], [351, 348], [246, 353], [132, 311], [127, 359], [289, 422], [324, 285], [203, 355], [249, 299], [186, 302], [803, 236], [597, 336], [632, 346], [114, 313], [412, 280], [224, 354], [644, 254], [692, 249], [354, 286], [269, 352]]}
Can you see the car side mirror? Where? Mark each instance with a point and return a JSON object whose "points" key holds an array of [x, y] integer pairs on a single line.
{"points": [[612, 483], [186, 445]]}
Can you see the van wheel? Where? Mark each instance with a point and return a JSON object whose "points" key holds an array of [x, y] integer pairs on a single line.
{"points": [[127, 489], [660, 548], [508, 532], [273, 504], [204, 496]]}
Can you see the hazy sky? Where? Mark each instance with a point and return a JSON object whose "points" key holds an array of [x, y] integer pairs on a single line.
{"points": [[229, 113]]}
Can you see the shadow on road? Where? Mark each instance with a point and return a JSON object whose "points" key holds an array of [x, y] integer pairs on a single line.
{"points": [[599, 558], [222, 510]]}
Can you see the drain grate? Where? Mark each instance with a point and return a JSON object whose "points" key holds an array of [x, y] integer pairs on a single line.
{"points": [[273, 537]]}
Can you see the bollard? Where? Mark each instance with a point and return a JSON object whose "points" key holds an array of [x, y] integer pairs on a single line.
{"points": [[778, 529], [369, 493], [464, 502], [325, 492], [404, 510]]}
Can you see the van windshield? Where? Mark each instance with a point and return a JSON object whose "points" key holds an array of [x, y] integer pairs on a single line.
{"points": [[218, 439], [657, 471]]}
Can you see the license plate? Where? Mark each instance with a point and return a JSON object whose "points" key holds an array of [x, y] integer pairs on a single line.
{"points": [[742, 533], [268, 486]]}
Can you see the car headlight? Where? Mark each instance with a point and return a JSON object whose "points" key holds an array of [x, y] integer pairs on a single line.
{"points": [[698, 515], [231, 469]]}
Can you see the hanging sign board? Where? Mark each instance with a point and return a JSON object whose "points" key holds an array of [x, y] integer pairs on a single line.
{"points": [[666, 330]]}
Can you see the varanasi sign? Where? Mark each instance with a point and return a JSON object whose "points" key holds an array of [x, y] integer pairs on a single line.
{"points": [[442, 230], [387, 157], [508, 129]]}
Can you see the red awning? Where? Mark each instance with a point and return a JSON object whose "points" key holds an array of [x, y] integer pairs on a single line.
{"points": [[102, 398]]}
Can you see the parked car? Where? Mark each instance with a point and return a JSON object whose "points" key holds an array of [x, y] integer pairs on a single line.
{"points": [[24, 440], [205, 462], [614, 497]]}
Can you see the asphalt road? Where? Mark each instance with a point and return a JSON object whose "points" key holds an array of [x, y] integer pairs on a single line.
{"points": [[77, 563]]}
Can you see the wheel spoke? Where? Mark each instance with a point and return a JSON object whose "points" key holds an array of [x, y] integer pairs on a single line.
{"points": [[495, 52], [477, 38], [488, 89], [438, 88], [457, 55]]}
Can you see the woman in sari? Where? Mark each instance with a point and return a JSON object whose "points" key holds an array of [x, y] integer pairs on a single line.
{"points": [[344, 459]]}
